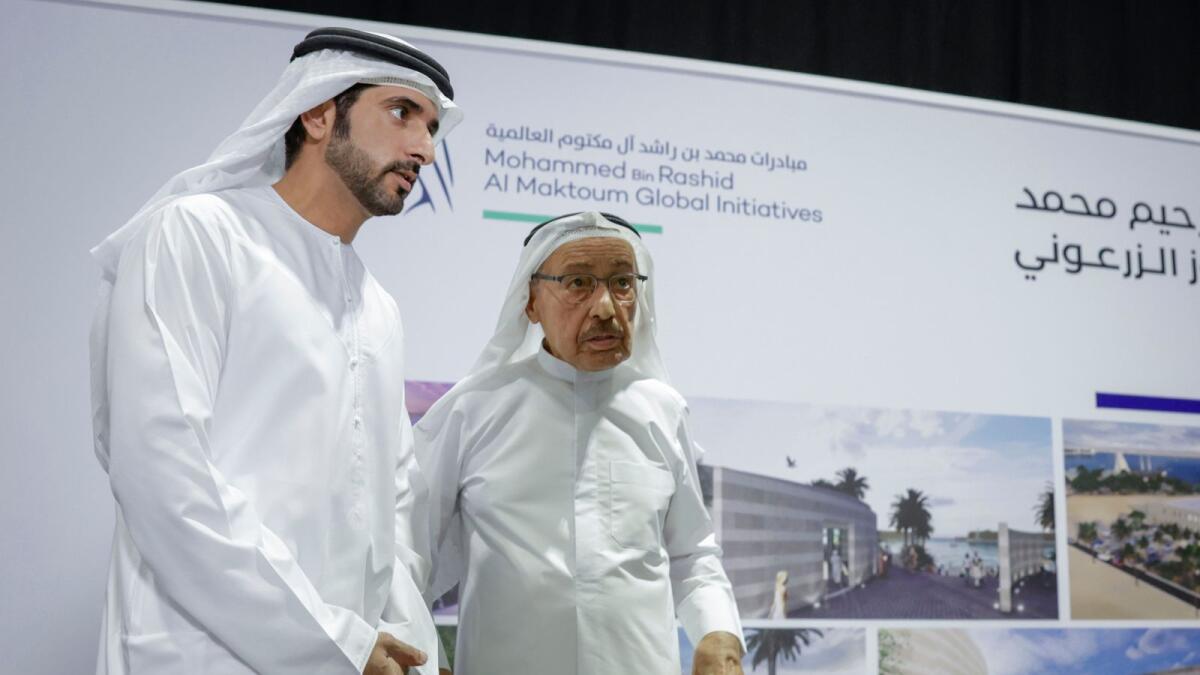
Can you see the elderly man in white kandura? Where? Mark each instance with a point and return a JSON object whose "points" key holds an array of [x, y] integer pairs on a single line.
{"points": [[248, 386], [564, 497]]}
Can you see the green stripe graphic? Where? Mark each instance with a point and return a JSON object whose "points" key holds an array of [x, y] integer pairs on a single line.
{"points": [[536, 218]]}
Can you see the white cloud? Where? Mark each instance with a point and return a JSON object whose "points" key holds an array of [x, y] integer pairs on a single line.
{"points": [[1157, 641], [1012, 652], [971, 487], [836, 641], [890, 424], [926, 424], [841, 652], [1130, 436]]}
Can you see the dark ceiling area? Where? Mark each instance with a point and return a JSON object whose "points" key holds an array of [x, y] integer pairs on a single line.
{"points": [[1129, 59]]}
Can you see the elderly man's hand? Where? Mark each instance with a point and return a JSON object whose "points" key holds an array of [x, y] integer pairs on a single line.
{"points": [[392, 657], [719, 653]]}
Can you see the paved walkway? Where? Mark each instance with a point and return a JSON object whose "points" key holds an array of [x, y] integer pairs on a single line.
{"points": [[1101, 591], [917, 595]]}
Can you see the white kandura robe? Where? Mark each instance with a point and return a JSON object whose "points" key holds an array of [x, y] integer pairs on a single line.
{"points": [[778, 608], [259, 450], [574, 501]]}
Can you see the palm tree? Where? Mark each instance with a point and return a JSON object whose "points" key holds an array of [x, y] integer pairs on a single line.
{"points": [[1087, 480], [851, 483], [1087, 533], [770, 645], [1186, 554], [1044, 509], [1137, 519], [924, 526], [901, 518], [910, 515], [1121, 529], [923, 529], [1128, 554], [1189, 557]]}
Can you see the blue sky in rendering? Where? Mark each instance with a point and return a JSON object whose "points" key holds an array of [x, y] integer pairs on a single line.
{"points": [[1084, 651], [976, 469]]}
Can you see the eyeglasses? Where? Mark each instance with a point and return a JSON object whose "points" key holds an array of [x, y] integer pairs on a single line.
{"points": [[578, 288]]}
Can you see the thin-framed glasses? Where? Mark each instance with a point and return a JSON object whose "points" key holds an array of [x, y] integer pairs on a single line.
{"points": [[578, 288]]}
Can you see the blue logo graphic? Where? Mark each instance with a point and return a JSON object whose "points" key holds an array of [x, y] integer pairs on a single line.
{"points": [[434, 191]]}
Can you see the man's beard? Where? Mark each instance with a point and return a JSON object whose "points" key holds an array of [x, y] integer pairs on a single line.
{"points": [[363, 178]]}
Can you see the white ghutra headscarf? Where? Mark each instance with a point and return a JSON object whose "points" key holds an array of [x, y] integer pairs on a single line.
{"points": [[254, 154], [516, 339]]}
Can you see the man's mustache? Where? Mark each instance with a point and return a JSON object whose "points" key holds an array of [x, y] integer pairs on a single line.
{"points": [[610, 327], [410, 166], [402, 165]]}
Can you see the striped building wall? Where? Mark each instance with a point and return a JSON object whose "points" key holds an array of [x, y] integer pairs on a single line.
{"points": [[765, 525], [1020, 556]]}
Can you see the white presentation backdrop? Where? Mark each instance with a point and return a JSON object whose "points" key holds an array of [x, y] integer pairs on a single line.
{"points": [[827, 242]]}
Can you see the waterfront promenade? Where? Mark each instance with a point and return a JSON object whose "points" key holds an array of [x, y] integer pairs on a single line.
{"points": [[920, 595]]}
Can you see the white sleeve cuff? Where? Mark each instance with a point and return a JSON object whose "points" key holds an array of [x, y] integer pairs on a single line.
{"points": [[443, 659], [708, 610], [359, 642]]}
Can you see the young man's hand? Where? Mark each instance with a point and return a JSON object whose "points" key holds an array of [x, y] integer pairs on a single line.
{"points": [[392, 657]]}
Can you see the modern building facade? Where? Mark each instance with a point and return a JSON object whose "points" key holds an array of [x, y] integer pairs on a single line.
{"points": [[1020, 555], [1184, 512], [824, 539], [945, 651]]}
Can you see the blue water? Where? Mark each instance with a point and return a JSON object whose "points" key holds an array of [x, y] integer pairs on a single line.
{"points": [[1177, 467], [950, 552]]}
